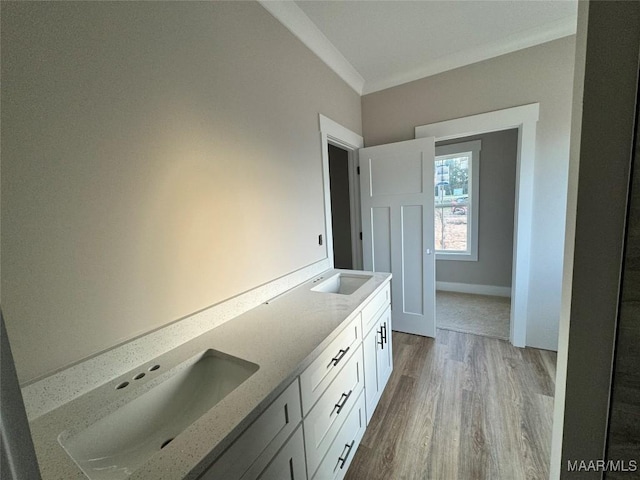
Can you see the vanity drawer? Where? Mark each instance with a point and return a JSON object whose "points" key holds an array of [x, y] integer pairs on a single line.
{"points": [[262, 439], [327, 416], [372, 310], [336, 462], [317, 377], [288, 464]]}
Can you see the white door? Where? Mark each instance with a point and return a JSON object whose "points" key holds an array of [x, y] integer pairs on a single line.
{"points": [[397, 192]]}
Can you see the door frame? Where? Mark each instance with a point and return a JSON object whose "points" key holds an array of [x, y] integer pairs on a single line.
{"points": [[335, 134], [524, 118]]}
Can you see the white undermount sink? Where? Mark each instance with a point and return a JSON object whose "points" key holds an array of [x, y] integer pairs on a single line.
{"points": [[342, 283], [115, 446]]}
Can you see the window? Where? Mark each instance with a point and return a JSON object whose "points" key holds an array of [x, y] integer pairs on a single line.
{"points": [[456, 183]]}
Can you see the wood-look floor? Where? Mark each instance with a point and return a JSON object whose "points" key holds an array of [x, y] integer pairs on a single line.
{"points": [[462, 407]]}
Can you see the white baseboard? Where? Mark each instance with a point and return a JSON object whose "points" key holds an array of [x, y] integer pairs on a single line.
{"points": [[475, 289]]}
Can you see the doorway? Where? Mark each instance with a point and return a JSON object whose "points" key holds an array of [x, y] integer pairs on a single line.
{"points": [[474, 225], [523, 118], [341, 145], [342, 206]]}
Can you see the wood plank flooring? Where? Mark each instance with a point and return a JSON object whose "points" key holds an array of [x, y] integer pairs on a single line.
{"points": [[462, 407]]}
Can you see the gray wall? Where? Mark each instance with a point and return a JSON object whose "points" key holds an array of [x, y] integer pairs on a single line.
{"points": [[158, 158], [497, 200], [601, 158], [543, 74], [340, 207]]}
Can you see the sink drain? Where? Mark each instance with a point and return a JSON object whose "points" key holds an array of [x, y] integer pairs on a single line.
{"points": [[165, 443]]}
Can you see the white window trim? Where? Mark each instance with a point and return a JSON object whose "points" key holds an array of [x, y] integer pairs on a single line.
{"points": [[473, 219]]}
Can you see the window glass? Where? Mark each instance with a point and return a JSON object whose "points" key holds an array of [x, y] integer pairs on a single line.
{"points": [[452, 202]]}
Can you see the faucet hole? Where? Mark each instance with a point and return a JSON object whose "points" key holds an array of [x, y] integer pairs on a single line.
{"points": [[122, 385], [139, 376], [155, 367], [166, 442]]}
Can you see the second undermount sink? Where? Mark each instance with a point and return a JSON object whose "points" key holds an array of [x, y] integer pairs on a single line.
{"points": [[342, 283], [115, 446]]}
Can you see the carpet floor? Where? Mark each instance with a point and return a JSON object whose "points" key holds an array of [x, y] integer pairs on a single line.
{"points": [[477, 314]]}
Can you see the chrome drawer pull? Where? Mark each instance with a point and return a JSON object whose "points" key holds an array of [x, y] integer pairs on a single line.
{"points": [[335, 360], [341, 403], [341, 460]]}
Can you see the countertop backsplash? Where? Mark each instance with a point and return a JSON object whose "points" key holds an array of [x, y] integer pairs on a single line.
{"points": [[47, 394]]}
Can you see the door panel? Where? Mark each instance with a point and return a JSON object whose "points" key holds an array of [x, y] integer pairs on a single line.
{"points": [[398, 232], [381, 238], [387, 179], [412, 274]]}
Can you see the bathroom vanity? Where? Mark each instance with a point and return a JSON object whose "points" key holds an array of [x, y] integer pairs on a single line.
{"points": [[284, 390]]}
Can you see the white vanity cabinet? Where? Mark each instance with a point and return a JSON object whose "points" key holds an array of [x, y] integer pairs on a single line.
{"points": [[313, 429], [377, 350], [335, 424]]}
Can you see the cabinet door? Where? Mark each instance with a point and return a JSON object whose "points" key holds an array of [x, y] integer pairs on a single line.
{"points": [[378, 361], [370, 350], [384, 358]]}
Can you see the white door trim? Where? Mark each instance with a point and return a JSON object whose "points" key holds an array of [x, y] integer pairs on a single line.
{"points": [[333, 133], [525, 119]]}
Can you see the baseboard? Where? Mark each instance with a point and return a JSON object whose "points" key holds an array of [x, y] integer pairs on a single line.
{"points": [[493, 290]]}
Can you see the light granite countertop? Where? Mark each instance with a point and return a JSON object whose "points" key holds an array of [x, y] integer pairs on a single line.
{"points": [[282, 336]]}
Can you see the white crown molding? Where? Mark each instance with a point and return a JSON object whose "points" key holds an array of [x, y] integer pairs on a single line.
{"points": [[528, 38], [298, 23]]}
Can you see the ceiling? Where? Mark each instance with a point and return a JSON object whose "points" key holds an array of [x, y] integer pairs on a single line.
{"points": [[375, 45]]}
